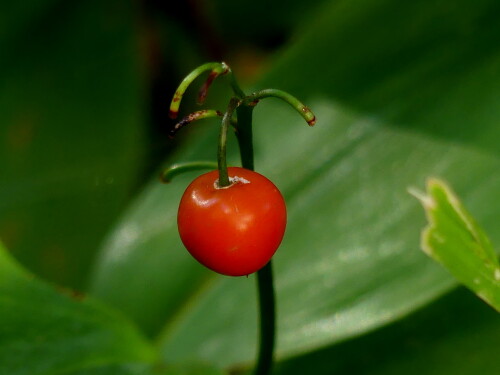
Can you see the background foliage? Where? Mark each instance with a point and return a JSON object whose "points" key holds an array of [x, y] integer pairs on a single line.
{"points": [[402, 91]]}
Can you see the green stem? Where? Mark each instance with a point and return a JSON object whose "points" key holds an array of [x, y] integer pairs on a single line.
{"points": [[265, 285], [267, 313], [235, 86], [174, 170], [303, 110], [221, 152], [215, 68], [244, 135]]}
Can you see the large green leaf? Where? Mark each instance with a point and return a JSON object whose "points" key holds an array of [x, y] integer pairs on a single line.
{"points": [[428, 67], [401, 91], [70, 133], [456, 335], [44, 331], [144, 369]]}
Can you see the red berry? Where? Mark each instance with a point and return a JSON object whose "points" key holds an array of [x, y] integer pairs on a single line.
{"points": [[234, 230]]}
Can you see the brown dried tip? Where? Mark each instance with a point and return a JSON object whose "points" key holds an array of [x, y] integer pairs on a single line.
{"points": [[164, 178], [307, 112], [202, 94], [173, 114]]}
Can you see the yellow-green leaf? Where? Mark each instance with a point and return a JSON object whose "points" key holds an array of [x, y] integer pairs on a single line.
{"points": [[454, 239]]}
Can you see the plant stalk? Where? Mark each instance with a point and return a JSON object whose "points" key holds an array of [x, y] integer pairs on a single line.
{"points": [[265, 284], [267, 310], [244, 135]]}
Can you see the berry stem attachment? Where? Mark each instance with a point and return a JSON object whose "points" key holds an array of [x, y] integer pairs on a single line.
{"points": [[303, 110], [174, 170], [221, 152]]}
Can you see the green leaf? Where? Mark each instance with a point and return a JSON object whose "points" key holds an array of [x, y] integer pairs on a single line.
{"points": [[44, 331], [142, 369], [401, 91], [456, 335], [115, 369], [454, 239], [193, 368], [71, 130]]}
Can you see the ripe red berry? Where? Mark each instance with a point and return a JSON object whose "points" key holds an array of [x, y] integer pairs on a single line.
{"points": [[234, 230]]}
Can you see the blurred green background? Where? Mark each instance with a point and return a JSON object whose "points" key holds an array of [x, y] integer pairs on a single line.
{"points": [[402, 91]]}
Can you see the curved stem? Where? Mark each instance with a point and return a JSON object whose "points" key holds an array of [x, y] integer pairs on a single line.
{"points": [[304, 111], [195, 116], [215, 68], [221, 152], [174, 170]]}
